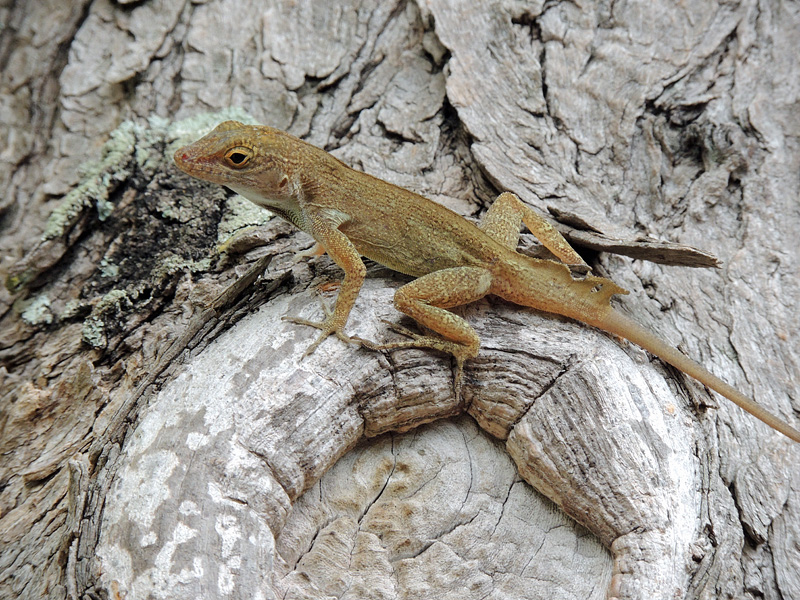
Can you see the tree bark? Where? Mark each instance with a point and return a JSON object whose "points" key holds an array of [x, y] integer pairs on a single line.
{"points": [[162, 436]]}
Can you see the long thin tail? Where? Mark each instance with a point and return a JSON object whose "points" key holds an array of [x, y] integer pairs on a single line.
{"points": [[621, 325]]}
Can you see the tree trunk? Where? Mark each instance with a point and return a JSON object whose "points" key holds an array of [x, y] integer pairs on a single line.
{"points": [[161, 434]]}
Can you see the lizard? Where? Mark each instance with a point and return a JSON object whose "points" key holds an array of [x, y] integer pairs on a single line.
{"points": [[351, 214]]}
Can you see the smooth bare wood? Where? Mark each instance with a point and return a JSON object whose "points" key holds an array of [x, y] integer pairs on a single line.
{"points": [[244, 472]]}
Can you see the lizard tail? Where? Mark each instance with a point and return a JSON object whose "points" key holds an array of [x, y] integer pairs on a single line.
{"points": [[619, 324]]}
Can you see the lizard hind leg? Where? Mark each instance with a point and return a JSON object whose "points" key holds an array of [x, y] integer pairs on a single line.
{"points": [[503, 221], [426, 299]]}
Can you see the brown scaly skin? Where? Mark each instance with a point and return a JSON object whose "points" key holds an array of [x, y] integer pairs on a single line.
{"points": [[351, 214]]}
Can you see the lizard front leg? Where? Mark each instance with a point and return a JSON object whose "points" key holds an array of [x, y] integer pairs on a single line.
{"points": [[344, 254], [425, 300]]}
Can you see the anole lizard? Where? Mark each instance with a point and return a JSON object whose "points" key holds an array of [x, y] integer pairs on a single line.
{"points": [[351, 214]]}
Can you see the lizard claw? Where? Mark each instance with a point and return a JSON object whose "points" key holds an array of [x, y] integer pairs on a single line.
{"points": [[328, 327], [397, 328], [393, 345]]}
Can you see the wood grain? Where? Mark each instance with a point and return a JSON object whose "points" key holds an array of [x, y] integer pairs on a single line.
{"points": [[245, 472]]}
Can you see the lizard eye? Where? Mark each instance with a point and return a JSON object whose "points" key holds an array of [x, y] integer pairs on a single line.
{"points": [[238, 157]]}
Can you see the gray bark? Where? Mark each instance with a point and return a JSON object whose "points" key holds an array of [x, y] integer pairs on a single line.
{"points": [[161, 436]]}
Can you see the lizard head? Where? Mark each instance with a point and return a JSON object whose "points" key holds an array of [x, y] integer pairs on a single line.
{"points": [[252, 160]]}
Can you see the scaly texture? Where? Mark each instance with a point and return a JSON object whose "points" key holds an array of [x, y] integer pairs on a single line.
{"points": [[674, 121]]}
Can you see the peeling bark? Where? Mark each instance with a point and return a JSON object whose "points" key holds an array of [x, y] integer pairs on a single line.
{"points": [[161, 436]]}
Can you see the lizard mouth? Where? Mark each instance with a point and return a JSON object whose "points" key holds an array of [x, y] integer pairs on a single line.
{"points": [[193, 164], [182, 159]]}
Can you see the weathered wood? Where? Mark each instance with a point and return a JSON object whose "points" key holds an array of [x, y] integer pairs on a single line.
{"points": [[161, 436]]}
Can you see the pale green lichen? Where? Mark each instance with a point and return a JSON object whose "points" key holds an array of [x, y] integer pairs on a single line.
{"points": [[99, 179], [113, 299], [116, 301], [108, 269], [36, 310], [168, 210], [240, 214], [93, 330], [144, 146], [175, 264], [72, 309]]}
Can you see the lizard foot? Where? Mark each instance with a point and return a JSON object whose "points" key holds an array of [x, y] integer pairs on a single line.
{"points": [[330, 326]]}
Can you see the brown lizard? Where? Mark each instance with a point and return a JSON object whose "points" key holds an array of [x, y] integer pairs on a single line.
{"points": [[351, 214]]}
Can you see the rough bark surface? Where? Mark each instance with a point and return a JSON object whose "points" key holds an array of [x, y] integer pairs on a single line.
{"points": [[161, 436]]}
